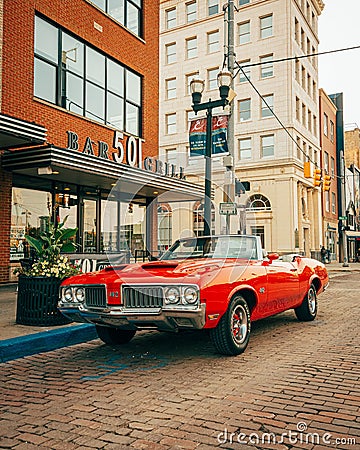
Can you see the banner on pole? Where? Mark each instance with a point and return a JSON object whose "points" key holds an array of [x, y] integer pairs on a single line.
{"points": [[197, 136]]}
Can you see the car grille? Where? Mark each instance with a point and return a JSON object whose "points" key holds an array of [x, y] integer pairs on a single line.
{"points": [[142, 296], [95, 296]]}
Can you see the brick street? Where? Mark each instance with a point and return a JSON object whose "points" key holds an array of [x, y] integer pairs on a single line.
{"points": [[164, 391]]}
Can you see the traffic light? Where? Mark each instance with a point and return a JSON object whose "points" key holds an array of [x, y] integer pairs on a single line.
{"points": [[307, 171], [241, 186], [327, 183], [317, 177]]}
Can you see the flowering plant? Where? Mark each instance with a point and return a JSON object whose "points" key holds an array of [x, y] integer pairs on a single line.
{"points": [[49, 262]]}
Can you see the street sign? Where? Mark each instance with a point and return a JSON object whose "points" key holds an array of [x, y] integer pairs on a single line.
{"points": [[342, 217], [227, 209]]}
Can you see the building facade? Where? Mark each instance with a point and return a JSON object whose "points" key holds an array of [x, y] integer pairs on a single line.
{"points": [[79, 126], [282, 205], [328, 160]]}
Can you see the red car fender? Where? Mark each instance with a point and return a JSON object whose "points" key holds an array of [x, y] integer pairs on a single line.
{"points": [[247, 291]]}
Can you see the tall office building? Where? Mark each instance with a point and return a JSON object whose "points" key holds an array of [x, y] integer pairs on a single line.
{"points": [[282, 205]]}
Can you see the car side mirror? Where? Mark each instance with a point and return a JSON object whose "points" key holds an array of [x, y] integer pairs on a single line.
{"points": [[272, 256]]}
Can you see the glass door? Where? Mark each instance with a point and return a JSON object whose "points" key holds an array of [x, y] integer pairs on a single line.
{"points": [[89, 225]]}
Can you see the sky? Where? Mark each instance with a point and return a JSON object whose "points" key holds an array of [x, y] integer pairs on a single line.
{"points": [[340, 72]]}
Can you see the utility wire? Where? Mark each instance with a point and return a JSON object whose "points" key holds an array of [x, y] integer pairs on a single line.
{"points": [[294, 58], [275, 115]]}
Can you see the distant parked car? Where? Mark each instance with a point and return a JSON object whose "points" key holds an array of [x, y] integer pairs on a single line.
{"points": [[220, 283]]}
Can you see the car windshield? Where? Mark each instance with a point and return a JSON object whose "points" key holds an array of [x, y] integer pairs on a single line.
{"points": [[213, 247]]}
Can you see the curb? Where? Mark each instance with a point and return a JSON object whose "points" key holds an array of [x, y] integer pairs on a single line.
{"points": [[45, 341]]}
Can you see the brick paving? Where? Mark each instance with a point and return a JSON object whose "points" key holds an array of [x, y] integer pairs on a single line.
{"points": [[161, 391]]}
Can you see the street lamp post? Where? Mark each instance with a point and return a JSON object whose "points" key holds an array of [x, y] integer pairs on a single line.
{"points": [[197, 87]]}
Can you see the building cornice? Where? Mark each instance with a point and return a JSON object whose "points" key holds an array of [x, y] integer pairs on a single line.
{"points": [[319, 5]]}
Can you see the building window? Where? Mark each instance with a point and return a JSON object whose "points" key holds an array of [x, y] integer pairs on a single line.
{"points": [[213, 40], [81, 79], [244, 32], [245, 148], [171, 156], [243, 2], [212, 78], [332, 131], [326, 162], [127, 12], [188, 78], [213, 7], [198, 218], [266, 26], [333, 202], [242, 77], [327, 201], [190, 115], [171, 123], [258, 202], [170, 53], [171, 88], [191, 12], [164, 226], [245, 109], [266, 109], [170, 18], [297, 106], [332, 165], [259, 231], [267, 66], [325, 124], [267, 146], [191, 48]]}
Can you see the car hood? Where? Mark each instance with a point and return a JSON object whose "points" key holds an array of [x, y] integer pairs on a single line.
{"points": [[189, 271]]}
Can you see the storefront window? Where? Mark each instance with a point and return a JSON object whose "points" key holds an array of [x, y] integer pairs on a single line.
{"points": [[29, 213], [89, 230], [109, 226], [164, 227]]}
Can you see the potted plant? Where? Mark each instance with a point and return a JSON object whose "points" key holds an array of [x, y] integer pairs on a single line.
{"points": [[39, 282]]}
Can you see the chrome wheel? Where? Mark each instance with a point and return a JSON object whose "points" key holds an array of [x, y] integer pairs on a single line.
{"points": [[312, 301], [239, 324], [308, 309]]}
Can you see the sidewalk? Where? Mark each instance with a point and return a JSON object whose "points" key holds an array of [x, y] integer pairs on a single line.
{"points": [[17, 341]]}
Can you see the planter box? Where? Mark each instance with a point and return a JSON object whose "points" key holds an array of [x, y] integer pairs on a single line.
{"points": [[37, 302]]}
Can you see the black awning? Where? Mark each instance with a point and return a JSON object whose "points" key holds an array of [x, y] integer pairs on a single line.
{"points": [[19, 133]]}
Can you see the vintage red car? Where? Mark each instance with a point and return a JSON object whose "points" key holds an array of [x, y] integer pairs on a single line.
{"points": [[219, 283]]}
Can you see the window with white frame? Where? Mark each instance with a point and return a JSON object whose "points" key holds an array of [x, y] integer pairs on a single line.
{"points": [[326, 162], [266, 26], [212, 78], [243, 2], [171, 123], [191, 48], [267, 66], [170, 53], [213, 41], [332, 131], [170, 88], [267, 106], [242, 77], [245, 148], [244, 32], [213, 7], [333, 202], [244, 109], [325, 124], [332, 167], [191, 11], [327, 201], [188, 79], [267, 146], [170, 18], [171, 156], [190, 115]]}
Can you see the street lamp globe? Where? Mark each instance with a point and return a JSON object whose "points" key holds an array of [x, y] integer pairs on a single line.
{"points": [[196, 88], [224, 80]]}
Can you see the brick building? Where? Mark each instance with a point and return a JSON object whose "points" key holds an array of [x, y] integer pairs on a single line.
{"points": [[79, 124]]}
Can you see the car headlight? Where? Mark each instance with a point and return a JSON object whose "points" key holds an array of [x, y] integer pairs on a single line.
{"points": [[190, 295], [68, 294], [80, 294], [172, 295]]}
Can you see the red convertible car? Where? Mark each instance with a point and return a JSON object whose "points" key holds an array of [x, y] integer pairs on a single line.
{"points": [[219, 283]]}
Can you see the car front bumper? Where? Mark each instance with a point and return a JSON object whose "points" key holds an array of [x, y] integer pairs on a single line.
{"points": [[139, 318]]}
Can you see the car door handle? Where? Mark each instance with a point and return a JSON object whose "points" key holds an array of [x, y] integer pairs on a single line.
{"points": [[293, 270]]}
